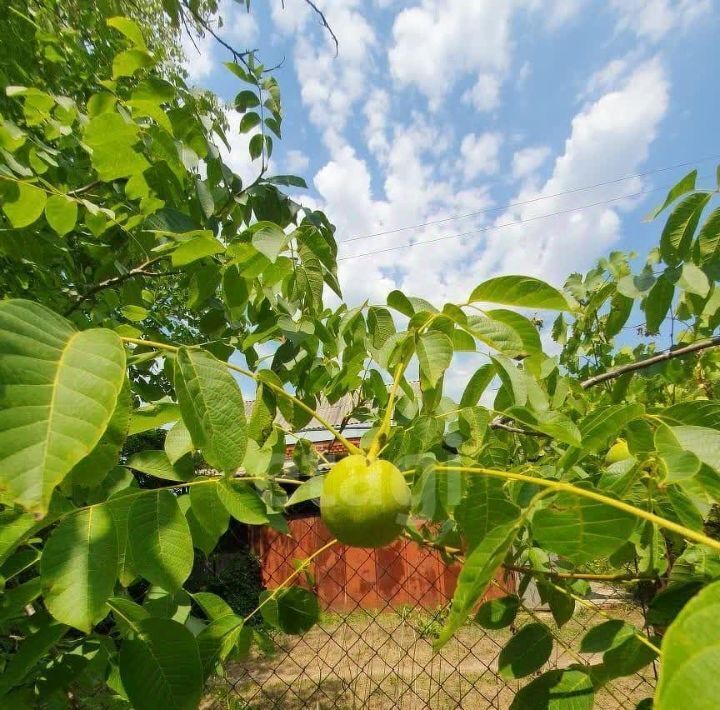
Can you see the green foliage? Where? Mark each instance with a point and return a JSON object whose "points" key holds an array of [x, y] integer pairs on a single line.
{"points": [[141, 279]]}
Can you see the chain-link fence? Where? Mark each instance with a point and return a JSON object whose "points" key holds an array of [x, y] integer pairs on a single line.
{"points": [[382, 611]]}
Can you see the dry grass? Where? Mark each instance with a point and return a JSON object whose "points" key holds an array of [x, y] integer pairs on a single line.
{"points": [[387, 661]]}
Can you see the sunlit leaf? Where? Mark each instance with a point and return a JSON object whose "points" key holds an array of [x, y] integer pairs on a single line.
{"points": [[212, 408], [58, 390], [523, 291], [79, 567], [160, 541]]}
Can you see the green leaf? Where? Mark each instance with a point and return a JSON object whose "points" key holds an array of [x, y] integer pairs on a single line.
{"points": [[95, 466], [127, 613], [212, 408], [678, 463], [309, 490], [522, 326], [683, 186], [157, 464], [434, 351], [212, 605], [50, 415], [657, 303], [31, 651], [269, 239], [483, 508], [293, 610], [498, 613], [249, 121], [526, 652], [557, 690], [61, 213], [160, 541], [581, 529], [111, 140], [605, 636], [15, 600], [79, 567], [380, 326], [119, 508], [197, 247], [704, 443], [208, 508], [476, 385], [153, 416], [708, 241], [497, 334], [513, 379], [178, 442], [620, 308], [218, 640], [129, 28], [161, 668], [693, 280], [255, 146], [606, 423], [680, 228], [522, 291], [23, 203], [246, 99], [242, 502], [554, 424], [131, 60], [475, 576]]}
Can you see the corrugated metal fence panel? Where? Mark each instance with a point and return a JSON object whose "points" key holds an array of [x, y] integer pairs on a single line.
{"points": [[347, 578]]}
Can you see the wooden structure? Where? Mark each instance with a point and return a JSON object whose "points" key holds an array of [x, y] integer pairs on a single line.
{"points": [[347, 579]]}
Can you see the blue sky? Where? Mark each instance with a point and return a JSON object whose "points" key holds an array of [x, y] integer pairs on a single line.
{"points": [[435, 109]]}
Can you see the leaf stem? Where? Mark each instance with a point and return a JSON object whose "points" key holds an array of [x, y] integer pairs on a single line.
{"points": [[275, 388], [593, 495], [301, 567], [384, 429]]}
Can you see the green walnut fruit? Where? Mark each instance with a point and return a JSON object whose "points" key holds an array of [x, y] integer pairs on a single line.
{"points": [[365, 504], [618, 452]]}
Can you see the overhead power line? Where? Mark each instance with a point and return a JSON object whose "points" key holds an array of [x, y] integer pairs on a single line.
{"points": [[485, 210], [515, 223]]}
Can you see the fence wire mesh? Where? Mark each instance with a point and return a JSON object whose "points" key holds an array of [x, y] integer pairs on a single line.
{"points": [[373, 647]]}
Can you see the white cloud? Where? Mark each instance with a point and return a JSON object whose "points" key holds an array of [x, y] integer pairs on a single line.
{"points": [[331, 85], [436, 42], [653, 19], [479, 154], [198, 62], [296, 162], [609, 137], [376, 112], [526, 161], [484, 94]]}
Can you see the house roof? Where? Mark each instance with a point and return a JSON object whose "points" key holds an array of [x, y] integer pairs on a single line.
{"points": [[333, 413]]}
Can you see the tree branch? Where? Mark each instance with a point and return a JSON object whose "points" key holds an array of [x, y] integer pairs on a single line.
{"points": [[650, 361], [140, 270], [325, 24], [500, 424]]}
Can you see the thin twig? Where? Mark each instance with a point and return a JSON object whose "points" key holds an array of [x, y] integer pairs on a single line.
{"points": [[500, 424], [648, 362], [325, 24]]}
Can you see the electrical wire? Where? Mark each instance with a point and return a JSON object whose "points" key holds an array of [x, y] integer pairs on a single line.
{"points": [[528, 202], [491, 227]]}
